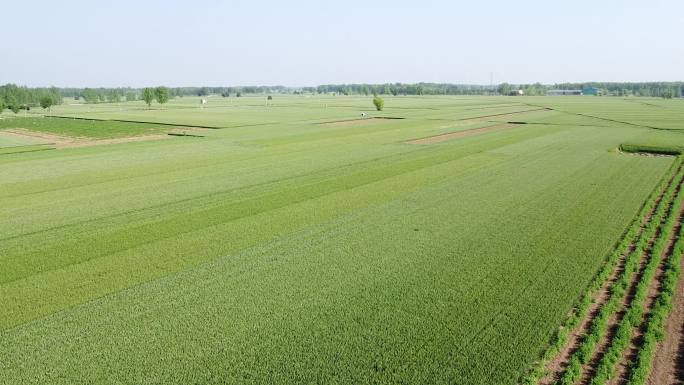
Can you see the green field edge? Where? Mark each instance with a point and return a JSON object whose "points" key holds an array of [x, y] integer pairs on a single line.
{"points": [[581, 307]]}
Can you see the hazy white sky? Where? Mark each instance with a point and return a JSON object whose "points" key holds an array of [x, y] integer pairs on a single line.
{"points": [[298, 43]]}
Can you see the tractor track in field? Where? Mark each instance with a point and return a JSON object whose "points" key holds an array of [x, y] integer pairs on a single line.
{"points": [[555, 367], [458, 134], [610, 120]]}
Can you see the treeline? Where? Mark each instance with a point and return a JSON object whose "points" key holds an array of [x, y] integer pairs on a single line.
{"points": [[17, 98], [402, 89], [656, 89]]}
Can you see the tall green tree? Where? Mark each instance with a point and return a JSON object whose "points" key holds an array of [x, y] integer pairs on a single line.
{"points": [[505, 89], [46, 102], [114, 95], [379, 103], [90, 95], [13, 103], [148, 96], [161, 94]]}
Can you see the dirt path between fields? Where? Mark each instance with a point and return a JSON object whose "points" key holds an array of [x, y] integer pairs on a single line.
{"points": [[60, 141], [668, 362], [557, 365], [458, 134]]}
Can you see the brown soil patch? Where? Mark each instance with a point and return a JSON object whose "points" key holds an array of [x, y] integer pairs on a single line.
{"points": [[458, 134], [59, 141]]}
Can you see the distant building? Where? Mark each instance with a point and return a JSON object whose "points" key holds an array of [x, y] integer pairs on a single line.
{"points": [[592, 91], [563, 92]]}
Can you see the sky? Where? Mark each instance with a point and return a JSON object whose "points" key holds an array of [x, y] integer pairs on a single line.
{"points": [[305, 43]]}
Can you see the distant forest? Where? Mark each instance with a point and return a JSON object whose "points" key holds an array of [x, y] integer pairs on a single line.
{"points": [[16, 98]]}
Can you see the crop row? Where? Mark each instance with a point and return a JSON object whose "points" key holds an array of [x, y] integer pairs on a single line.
{"points": [[635, 313], [654, 325], [598, 327], [626, 245]]}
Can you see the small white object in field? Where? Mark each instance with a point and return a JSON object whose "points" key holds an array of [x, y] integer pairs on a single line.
{"points": [[363, 114], [204, 101]]}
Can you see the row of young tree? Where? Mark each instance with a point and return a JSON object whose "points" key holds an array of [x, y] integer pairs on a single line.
{"points": [[17, 98]]}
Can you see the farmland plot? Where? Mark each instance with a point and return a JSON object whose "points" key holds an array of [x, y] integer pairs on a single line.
{"points": [[278, 249]]}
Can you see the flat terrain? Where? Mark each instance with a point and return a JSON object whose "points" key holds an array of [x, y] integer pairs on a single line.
{"points": [[295, 243]]}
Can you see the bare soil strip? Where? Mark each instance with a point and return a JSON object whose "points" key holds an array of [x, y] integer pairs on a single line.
{"points": [[458, 134], [556, 366], [668, 362], [59, 141]]}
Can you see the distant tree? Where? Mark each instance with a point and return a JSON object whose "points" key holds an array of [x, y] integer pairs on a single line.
{"points": [[13, 104], [505, 89], [90, 95], [2, 105], [114, 96], [225, 94], [269, 97], [131, 96], [46, 102], [238, 94], [161, 94], [379, 103], [204, 91], [667, 93], [148, 96]]}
